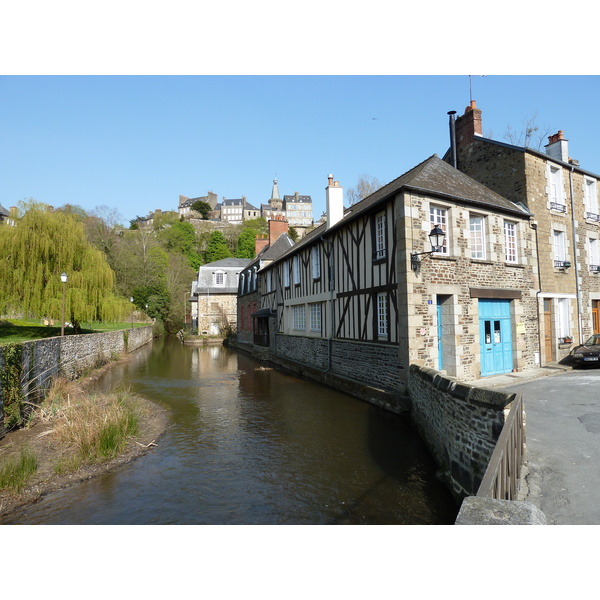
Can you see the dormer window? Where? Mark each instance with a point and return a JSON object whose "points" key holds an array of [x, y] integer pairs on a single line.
{"points": [[219, 278]]}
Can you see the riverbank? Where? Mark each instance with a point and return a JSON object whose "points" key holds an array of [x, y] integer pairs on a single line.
{"points": [[41, 439]]}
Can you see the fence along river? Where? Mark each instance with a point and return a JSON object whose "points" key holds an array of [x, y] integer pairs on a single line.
{"points": [[251, 445]]}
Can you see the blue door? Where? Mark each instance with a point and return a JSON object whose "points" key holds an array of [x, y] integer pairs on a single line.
{"points": [[495, 331]]}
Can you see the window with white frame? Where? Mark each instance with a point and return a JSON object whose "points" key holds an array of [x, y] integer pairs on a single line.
{"points": [[315, 256], [590, 196], [563, 321], [380, 238], [296, 267], [299, 317], [510, 242], [439, 216], [594, 256], [219, 278], [382, 315], [556, 188], [560, 250], [477, 225], [315, 316], [286, 274], [269, 280]]}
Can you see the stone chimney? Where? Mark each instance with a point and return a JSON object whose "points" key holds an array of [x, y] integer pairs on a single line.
{"points": [[469, 125], [557, 147], [334, 195]]}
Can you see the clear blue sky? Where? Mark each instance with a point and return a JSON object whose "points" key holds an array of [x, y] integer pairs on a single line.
{"points": [[135, 143]]}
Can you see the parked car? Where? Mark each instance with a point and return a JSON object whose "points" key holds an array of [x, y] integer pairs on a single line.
{"points": [[589, 352]]}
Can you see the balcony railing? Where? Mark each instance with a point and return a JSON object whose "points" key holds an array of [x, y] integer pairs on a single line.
{"points": [[558, 207], [501, 479], [562, 264], [592, 217]]}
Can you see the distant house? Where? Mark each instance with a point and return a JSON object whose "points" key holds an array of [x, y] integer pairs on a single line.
{"points": [[5, 216], [232, 210], [185, 203], [213, 296], [252, 323], [298, 210]]}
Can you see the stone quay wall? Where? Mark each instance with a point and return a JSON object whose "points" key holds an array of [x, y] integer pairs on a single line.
{"points": [[459, 423], [70, 356]]}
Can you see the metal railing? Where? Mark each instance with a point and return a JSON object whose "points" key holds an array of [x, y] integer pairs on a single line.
{"points": [[501, 479]]}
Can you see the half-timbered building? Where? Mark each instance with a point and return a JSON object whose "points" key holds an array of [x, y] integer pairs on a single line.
{"points": [[363, 297]]}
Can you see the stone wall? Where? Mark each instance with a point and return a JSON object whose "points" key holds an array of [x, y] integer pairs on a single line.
{"points": [[70, 356], [459, 423], [374, 364]]}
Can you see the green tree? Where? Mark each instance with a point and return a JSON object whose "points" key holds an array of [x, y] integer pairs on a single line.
{"points": [[34, 253], [181, 238], [293, 233], [216, 248], [246, 244], [202, 207]]}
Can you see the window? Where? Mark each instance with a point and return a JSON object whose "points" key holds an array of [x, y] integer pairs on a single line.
{"points": [[380, 250], [316, 262], [382, 320], [594, 257], [564, 326], [590, 196], [299, 322], [560, 254], [556, 189], [477, 237], [315, 317], [439, 216], [219, 278], [269, 278], [510, 242], [296, 267], [286, 274]]}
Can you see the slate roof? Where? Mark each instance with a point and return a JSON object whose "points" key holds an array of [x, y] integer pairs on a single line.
{"points": [[230, 266], [294, 198], [432, 177], [4, 212]]}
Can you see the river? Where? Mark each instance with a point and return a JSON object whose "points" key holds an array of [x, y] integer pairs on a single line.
{"points": [[252, 445]]}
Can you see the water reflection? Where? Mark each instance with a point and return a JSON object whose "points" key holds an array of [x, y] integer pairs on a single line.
{"points": [[248, 445]]}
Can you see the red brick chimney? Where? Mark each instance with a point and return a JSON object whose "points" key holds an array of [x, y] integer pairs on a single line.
{"points": [[469, 125], [277, 227]]}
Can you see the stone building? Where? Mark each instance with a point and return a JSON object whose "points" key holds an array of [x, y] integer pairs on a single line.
{"points": [[214, 296], [563, 200], [252, 323], [363, 296]]}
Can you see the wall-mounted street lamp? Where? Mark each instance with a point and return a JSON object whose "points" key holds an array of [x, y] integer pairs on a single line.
{"points": [[132, 307], [63, 278], [436, 238]]}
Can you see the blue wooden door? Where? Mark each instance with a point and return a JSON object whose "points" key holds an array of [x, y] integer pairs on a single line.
{"points": [[495, 331]]}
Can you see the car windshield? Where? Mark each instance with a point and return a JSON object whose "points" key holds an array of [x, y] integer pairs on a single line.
{"points": [[593, 341]]}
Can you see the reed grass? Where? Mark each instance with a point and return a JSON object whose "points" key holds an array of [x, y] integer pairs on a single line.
{"points": [[15, 472]]}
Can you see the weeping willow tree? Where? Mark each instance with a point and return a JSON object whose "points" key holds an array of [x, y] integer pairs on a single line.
{"points": [[42, 244]]}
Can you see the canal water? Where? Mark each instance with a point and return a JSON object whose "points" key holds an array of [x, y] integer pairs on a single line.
{"points": [[252, 445]]}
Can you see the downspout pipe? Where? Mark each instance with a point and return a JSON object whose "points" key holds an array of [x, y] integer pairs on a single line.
{"points": [[537, 294], [577, 279], [330, 256]]}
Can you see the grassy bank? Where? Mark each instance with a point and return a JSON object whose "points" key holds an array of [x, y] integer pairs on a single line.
{"points": [[24, 330], [73, 435]]}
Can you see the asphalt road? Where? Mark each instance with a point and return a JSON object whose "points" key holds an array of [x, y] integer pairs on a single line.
{"points": [[563, 446]]}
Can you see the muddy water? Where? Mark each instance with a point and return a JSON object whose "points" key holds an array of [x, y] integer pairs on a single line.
{"points": [[252, 446]]}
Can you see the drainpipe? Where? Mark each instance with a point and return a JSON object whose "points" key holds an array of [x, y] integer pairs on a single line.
{"points": [[533, 226], [330, 257], [577, 282]]}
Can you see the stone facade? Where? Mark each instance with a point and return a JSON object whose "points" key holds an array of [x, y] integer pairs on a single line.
{"points": [[563, 200]]}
